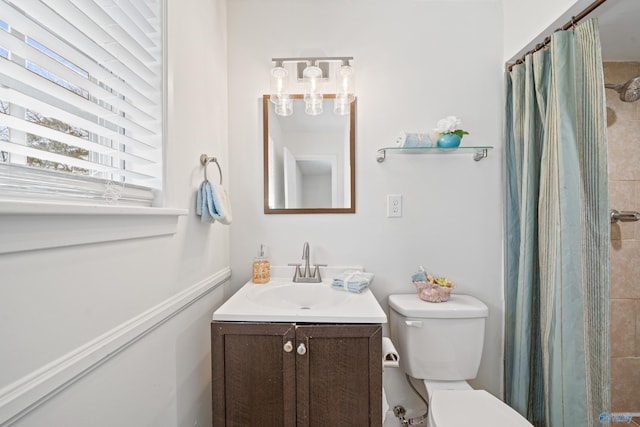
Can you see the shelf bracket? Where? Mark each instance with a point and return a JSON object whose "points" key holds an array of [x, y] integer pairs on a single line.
{"points": [[480, 154]]}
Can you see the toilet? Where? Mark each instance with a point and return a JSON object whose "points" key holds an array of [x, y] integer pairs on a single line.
{"points": [[441, 344]]}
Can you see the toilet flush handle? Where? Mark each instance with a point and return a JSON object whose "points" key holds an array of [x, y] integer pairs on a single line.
{"points": [[413, 323]]}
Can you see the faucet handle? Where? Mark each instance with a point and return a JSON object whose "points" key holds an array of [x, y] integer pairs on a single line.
{"points": [[296, 273], [316, 272]]}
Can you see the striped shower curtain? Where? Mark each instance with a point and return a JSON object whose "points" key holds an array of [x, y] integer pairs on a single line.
{"points": [[557, 239]]}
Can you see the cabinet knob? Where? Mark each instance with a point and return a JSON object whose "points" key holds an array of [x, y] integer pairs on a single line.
{"points": [[288, 347], [301, 349]]}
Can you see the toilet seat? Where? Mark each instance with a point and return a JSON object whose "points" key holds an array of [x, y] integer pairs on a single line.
{"points": [[463, 408]]}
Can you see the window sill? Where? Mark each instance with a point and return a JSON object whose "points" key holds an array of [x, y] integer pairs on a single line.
{"points": [[28, 226]]}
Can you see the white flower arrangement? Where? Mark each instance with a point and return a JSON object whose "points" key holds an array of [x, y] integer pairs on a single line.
{"points": [[450, 125]]}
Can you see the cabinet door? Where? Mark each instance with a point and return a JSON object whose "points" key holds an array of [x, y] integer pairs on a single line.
{"points": [[339, 376], [253, 372]]}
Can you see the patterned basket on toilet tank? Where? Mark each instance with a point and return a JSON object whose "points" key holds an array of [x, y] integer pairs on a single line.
{"points": [[432, 289], [431, 292]]}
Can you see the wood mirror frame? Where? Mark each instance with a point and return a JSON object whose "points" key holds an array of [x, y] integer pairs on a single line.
{"points": [[266, 107]]}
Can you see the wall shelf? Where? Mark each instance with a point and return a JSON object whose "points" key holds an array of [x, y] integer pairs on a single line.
{"points": [[479, 152]]}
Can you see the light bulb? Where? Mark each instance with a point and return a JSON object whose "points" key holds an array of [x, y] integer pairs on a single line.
{"points": [[345, 82], [279, 84], [312, 95]]}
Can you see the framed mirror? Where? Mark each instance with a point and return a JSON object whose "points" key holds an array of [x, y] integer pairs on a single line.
{"points": [[309, 161]]}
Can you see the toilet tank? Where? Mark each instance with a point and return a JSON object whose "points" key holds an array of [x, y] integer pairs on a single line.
{"points": [[438, 341]]}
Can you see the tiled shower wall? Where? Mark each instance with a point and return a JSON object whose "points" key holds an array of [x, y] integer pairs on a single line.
{"points": [[623, 130]]}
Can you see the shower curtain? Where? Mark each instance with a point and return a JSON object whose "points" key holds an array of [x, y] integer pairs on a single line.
{"points": [[557, 246]]}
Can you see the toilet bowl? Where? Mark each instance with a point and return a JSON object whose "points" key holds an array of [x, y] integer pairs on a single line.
{"points": [[458, 408], [441, 344], [457, 404]]}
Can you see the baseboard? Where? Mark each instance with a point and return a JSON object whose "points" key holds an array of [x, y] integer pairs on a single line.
{"points": [[27, 393]]}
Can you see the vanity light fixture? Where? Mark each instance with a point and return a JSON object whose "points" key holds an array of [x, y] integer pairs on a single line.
{"points": [[315, 76]]}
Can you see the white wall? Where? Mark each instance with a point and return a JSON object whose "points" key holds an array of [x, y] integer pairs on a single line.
{"points": [[415, 62], [527, 22], [53, 302]]}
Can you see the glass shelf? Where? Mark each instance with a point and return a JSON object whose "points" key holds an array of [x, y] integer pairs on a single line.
{"points": [[479, 152]]}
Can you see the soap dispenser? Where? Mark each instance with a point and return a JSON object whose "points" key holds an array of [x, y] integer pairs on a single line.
{"points": [[261, 267]]}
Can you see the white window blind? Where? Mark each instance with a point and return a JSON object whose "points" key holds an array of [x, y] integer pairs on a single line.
{"points": [[81, 100]]}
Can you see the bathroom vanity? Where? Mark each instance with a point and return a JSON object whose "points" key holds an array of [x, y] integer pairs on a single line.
{"points": [[288, 374], [286, 354]]}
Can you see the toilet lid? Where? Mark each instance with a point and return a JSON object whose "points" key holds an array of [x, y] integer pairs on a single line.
{"points": [[463, 408]]}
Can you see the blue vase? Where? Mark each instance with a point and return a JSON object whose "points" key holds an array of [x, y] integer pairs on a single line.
{"points": [[449, 140]]}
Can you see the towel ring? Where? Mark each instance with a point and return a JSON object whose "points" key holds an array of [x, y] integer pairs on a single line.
{"points": [[205, 160]]}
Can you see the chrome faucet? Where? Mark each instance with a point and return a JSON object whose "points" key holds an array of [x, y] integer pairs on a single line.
{"points": [[305, 276], [305, 258]]}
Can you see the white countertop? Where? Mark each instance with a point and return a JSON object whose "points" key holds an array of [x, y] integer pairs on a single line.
{"points": [[281, 300]]}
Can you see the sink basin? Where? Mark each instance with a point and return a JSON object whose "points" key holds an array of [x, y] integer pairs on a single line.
{"points": [[281, 300], [301, 296]]}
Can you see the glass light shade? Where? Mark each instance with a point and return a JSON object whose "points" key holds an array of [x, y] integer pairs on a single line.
{"points": [[313, 104], [311, 76], [341, 105], [345, 83], [284, 106], [312, 95], [279, 84]]}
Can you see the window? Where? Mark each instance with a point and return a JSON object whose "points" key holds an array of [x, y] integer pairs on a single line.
{"points": [[81, 101]]}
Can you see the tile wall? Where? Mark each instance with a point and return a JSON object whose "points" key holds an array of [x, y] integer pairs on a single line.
{"points": [[623, 131]]}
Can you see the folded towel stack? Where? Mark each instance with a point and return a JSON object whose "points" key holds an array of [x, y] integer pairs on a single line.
{"points": [[352, 281], [213, 203]]}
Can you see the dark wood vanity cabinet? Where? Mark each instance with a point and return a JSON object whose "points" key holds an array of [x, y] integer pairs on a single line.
{"points": [[286, 374]]}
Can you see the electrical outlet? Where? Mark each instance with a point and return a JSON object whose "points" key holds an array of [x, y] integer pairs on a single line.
{"points": [[394, 205]]}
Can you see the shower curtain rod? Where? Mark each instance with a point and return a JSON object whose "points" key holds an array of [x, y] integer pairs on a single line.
{"points": [[574, 20]]}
